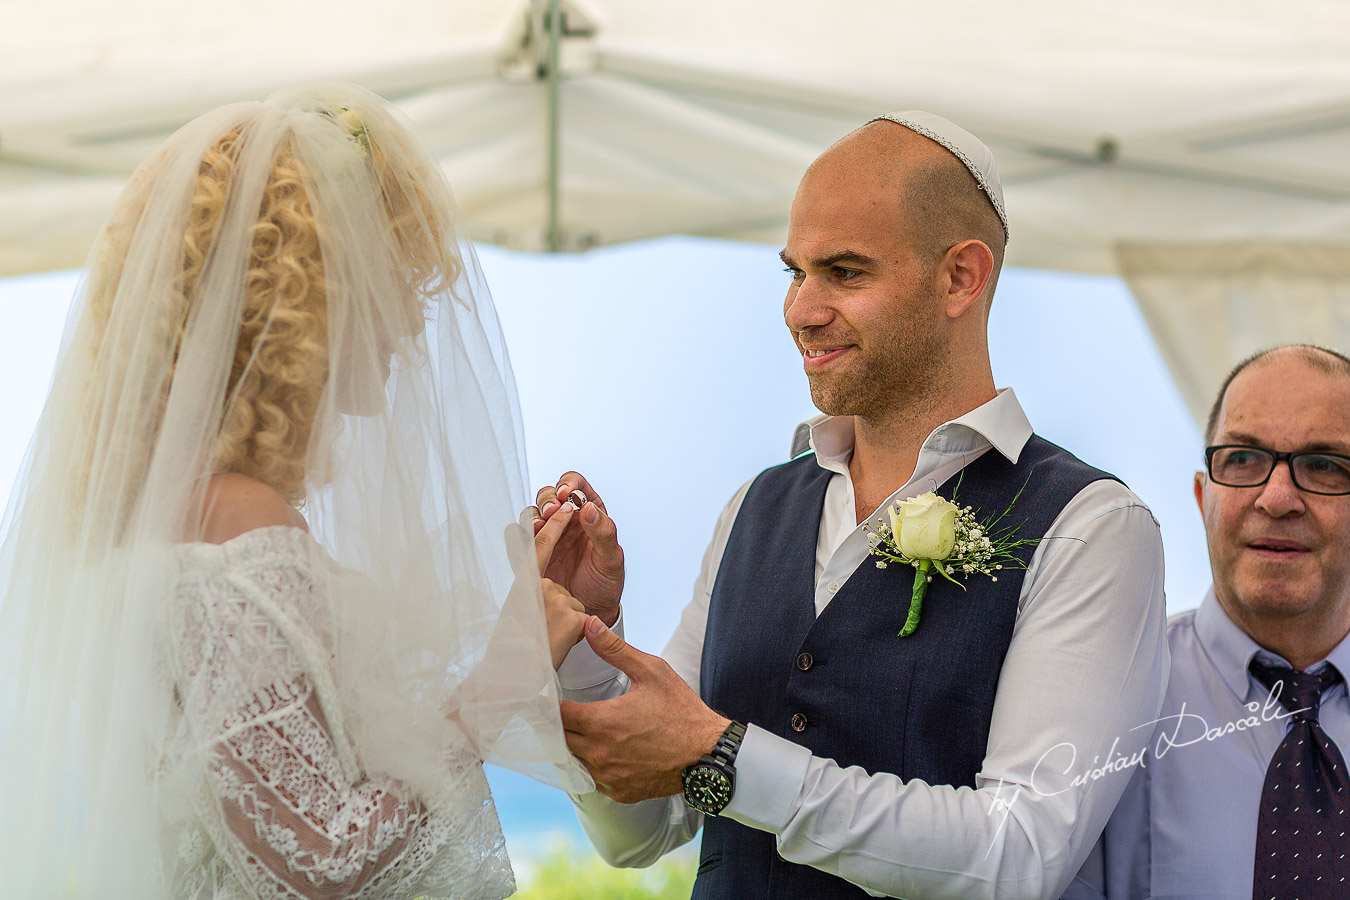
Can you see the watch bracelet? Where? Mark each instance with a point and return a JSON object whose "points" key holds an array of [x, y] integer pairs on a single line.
{"points": [[728, 744]]}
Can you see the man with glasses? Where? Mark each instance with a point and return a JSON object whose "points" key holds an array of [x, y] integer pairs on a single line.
{"points": [[1244, 791]]}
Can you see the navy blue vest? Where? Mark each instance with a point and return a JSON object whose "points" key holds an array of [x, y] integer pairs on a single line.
{"points": [[844, 684]]}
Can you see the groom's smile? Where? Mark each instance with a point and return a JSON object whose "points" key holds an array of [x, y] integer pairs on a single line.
{"points": [[818, 358]]}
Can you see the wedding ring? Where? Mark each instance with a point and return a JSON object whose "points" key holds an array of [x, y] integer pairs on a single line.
{"points": [[577, 498]]}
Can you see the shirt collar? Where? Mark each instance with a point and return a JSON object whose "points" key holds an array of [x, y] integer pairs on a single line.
{"points": [[1000, 423], [1340, 657], [1227, 646], [1231, 649]]}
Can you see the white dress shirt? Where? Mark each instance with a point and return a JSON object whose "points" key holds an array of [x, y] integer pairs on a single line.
{"points": [[1186, 826], [1086, 664]]}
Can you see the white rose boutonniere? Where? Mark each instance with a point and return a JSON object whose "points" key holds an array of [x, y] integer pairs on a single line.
{"points": [[931, 534], [925, 526]]}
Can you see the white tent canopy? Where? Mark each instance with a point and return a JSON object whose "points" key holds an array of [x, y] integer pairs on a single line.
{"points": [[1150, 126]]}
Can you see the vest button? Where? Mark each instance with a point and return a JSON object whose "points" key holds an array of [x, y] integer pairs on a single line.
{"points": [[798, 722], [805, 661]]}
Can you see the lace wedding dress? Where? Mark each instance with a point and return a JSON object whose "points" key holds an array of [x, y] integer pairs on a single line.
{"points": [[285, 810]]}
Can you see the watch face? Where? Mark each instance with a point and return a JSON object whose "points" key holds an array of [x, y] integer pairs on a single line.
{"points": [[707, 788]]}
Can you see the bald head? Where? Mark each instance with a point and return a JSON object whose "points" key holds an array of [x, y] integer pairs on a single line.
{"points": [[941, 201], [1319, 359]]}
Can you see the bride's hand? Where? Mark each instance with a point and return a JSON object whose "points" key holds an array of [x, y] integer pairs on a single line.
{"points": [[566, 618], [585, 556], [548, 534]]}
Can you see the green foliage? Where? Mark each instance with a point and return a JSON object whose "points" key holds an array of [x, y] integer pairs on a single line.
{"points": [[570, 873]]}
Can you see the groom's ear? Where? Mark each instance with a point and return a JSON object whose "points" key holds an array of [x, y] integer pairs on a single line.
{"points": [[963, 273]]}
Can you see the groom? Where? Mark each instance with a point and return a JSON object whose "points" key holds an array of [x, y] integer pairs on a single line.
{"points": [[823, 754]]}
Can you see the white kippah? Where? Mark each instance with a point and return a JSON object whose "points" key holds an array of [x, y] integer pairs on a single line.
{"points": [[965, 146]]}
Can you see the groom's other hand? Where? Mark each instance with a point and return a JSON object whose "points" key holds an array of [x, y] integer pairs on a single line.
{"points": [[636, 745], [587, 559]]}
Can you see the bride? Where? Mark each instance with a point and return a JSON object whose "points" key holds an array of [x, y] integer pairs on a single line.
{"points": [[266, 604]]}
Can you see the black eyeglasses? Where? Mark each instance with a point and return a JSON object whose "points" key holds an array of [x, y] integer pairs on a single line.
{"points": [[1238, 465]]}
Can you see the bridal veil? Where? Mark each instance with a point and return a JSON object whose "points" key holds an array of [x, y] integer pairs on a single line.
{"points": [[284, 291]]}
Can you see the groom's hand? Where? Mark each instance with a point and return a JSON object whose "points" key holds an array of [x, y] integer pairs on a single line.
{"points": [[586, 559], [636, 746]]}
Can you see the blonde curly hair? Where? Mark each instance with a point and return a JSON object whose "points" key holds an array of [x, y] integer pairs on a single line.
{"points": [[280, 364]]}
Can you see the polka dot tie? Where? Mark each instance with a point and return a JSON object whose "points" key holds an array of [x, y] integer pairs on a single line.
{"points": [[1302, 830]]}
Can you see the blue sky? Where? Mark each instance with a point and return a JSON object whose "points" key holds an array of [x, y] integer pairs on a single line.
{"points": [[664, 372]]}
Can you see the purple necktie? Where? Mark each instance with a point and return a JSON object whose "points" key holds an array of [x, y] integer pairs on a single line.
{"points": [[1301, 836]]}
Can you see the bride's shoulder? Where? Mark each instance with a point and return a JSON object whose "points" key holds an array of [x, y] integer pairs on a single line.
{"points": [[235, 504], [251, 551]]}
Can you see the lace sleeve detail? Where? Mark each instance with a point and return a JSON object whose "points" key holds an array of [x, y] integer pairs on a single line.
{"points": [[282, 811]]}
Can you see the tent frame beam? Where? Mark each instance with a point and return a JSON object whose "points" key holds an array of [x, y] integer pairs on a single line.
{"points": [[553, 238]]}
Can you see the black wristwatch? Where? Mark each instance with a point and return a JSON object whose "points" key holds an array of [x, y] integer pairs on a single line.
{"points": [[710, 783]]}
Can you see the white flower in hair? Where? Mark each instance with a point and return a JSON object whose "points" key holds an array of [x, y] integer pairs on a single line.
{"points": [[353, 122]]}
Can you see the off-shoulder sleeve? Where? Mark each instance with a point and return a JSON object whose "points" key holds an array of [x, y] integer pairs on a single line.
{"points": [[284, 813]]}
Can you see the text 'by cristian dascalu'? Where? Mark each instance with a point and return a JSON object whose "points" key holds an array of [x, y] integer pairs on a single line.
{"points": [[1181, 729]]}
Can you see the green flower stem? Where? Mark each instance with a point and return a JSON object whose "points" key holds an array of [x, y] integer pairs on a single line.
{"points": [[916, 597]]}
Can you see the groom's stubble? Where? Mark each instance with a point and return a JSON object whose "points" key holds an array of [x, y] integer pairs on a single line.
{"points": [[898, 369]]}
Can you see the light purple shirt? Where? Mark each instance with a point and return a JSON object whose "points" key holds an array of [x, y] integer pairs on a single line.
{"points": [[1186, 825]]}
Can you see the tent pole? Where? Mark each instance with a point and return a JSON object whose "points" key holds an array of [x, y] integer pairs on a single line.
{"points": [[554, 27]]}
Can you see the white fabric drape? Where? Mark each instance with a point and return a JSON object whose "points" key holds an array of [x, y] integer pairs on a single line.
{"points": [[1149, 121], [1211, 305]]}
